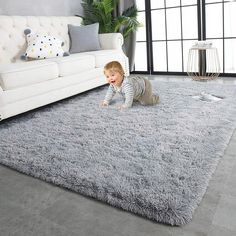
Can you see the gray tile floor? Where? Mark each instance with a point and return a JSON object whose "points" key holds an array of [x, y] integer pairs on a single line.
{"points": [[29, 206]]}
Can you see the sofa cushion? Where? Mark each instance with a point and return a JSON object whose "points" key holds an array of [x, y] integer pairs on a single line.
{"points": [[75, 63], [17, 75], [11, 96], [43, 46], [102, 57], [84, 38]]}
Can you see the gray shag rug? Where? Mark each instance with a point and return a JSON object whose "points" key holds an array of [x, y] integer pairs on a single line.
{"points": [[155, 161]]}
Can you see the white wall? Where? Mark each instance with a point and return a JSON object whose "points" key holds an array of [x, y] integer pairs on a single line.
{"points": [[40, 7]]}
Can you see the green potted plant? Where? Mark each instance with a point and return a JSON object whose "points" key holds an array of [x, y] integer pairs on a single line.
{"points": [[103, 12]]}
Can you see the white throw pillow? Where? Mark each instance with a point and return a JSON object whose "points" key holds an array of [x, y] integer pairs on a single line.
{"points": [[43, 46]]}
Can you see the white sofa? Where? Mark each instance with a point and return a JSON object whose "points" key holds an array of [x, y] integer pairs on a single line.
{"points": [[28, 85]]}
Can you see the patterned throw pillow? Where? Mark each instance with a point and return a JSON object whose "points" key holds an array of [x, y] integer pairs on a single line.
{"points": [[43, 46]]}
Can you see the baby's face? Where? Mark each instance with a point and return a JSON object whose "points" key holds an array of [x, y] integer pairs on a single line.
{"points": [[114, 78]]}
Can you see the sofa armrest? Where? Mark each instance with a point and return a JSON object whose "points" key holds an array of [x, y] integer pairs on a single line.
{"points": [[111, 40]]}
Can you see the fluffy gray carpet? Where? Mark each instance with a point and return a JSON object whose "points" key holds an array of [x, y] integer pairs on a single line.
{"points": [[155, 161]]}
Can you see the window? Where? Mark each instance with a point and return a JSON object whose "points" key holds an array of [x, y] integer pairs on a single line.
{"points": [[221, 13], [141, 41], [171, 27]]}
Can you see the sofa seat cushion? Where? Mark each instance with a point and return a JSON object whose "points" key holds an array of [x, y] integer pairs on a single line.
{"points": [[102, 57], [11, 96], [17, 75], [74, 64]]}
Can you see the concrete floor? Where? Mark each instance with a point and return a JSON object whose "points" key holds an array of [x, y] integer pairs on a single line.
{"points": [[31, 207]]}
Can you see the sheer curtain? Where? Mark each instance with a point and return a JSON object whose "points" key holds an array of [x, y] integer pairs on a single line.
{"points": [[130, 41]]}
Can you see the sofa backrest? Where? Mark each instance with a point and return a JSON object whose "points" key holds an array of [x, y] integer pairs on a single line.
{"points": [[12, 38]]}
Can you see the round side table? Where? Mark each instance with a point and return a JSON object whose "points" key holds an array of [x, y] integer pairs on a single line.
{"points": [[203, 62]]}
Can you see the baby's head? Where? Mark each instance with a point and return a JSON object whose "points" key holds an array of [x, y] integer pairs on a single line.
{"points": [[114, 73]]}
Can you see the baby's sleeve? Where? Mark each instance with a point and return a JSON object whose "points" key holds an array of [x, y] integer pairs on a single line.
{"points": [[129, 95], [109, 95]]}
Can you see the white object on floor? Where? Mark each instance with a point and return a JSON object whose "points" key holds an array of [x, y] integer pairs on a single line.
{"points": [[203, 96]]}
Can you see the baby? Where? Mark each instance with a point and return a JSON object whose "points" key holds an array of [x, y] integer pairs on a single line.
{"points": [[131, 88]]}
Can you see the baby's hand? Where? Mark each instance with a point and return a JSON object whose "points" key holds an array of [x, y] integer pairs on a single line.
{"points": [[122, 107], [103, 104]]}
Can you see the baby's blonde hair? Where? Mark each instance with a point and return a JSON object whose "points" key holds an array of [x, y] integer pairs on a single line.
{"points": [[114, 66]]}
